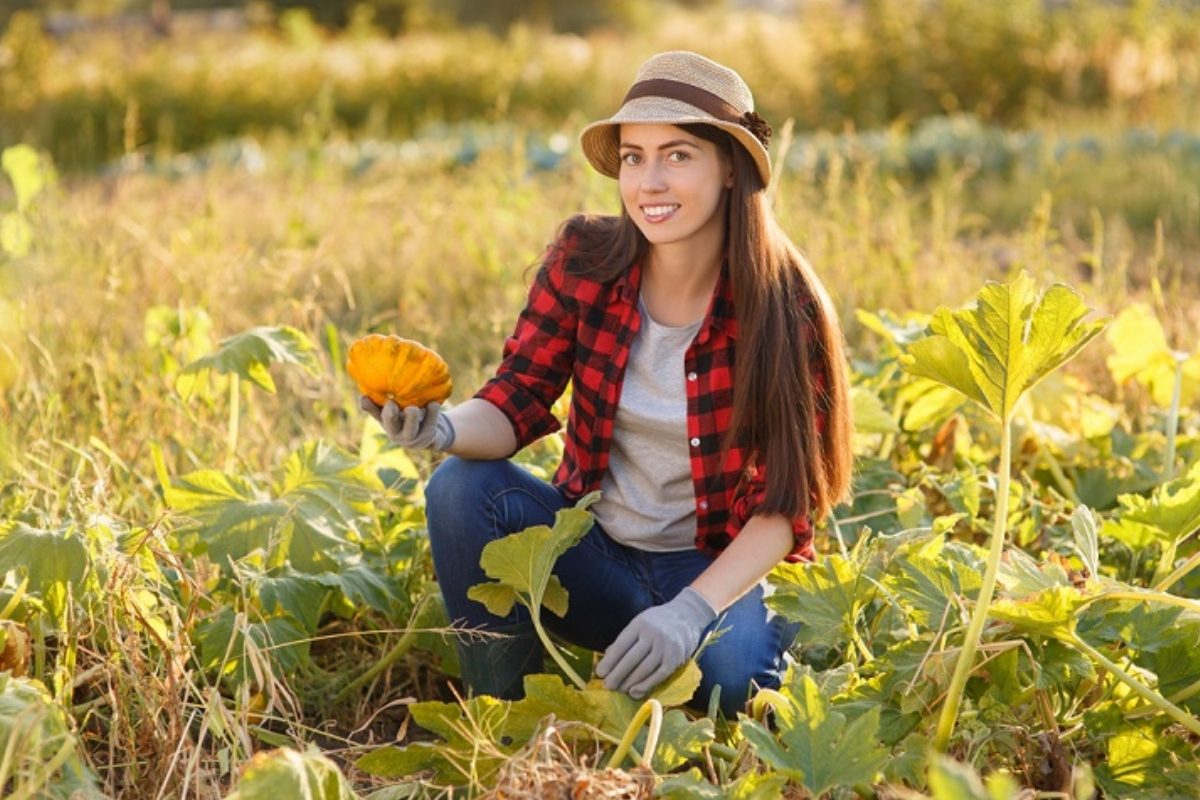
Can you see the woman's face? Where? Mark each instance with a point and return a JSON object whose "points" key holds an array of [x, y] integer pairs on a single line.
{"points": [[673, 184]]}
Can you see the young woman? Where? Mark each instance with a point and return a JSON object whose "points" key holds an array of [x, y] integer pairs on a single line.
{"points": [[709, 406]]}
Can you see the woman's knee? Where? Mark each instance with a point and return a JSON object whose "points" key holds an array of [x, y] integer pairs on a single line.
{"points": [[749, 655], [457, 485]]}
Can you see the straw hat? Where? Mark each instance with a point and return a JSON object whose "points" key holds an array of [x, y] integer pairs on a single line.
{"points": [[678, 88]]}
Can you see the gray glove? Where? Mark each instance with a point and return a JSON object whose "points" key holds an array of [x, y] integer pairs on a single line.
{"points": [[413, 428], [655, 643]]}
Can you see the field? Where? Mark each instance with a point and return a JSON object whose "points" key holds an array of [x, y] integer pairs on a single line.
{"points": [[214, 576]]}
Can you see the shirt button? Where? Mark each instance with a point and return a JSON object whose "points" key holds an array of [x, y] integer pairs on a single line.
{"points": [[703, 505], [691, 376], [695, 441]]}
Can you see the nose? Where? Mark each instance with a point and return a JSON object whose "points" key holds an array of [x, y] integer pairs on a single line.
{"points": [[654, 179]]}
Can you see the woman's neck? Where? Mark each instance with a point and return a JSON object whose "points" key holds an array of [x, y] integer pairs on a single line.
{"points": [[677, 283]]}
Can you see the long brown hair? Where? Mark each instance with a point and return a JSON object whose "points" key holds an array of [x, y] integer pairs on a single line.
{"points": [[787, 332]]}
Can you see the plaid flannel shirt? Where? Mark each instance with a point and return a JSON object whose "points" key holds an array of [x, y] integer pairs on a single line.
{"points": [[576, 328]]}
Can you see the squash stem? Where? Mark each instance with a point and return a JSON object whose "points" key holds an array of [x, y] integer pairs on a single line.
{"points": [[966, 657], [1145, 692], [651, 709], [553, 650]]}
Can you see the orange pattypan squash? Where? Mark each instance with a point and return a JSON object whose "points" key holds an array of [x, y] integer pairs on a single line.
{"points": [[392, 368]]}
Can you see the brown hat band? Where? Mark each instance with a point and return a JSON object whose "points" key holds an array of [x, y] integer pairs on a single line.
{"points": [[702, 99]]}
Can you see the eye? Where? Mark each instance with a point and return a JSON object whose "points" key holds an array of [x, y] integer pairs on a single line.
{"points": [[679, 156], [631, 158]]}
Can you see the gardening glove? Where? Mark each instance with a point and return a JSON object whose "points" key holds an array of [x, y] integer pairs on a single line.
{"points": [[412, 428], [655, 643]]}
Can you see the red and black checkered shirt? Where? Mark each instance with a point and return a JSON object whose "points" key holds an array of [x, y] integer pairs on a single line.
{"points": [[574, 327]]}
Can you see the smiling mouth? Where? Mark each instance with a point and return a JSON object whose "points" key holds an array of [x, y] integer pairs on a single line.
{"points": [[660, 212]]}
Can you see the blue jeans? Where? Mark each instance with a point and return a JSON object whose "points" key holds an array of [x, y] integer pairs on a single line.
{"points": [[470, 503]]}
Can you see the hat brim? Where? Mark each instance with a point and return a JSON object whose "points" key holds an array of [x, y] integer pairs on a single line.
{"points": [[601, 145]]}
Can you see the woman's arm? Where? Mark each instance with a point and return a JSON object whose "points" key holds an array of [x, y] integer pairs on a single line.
{"points": [[481, 431], [763, 542]]}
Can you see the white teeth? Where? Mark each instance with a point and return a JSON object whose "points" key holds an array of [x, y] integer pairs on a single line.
{"points": [[658, 211]]}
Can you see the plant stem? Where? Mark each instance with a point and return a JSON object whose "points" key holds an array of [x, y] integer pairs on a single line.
{"points": [[379, 667], [553, 650], [1184, 569], [651, 709], [1060, 480], [966, 656], [1146, 693], [234, 418]]}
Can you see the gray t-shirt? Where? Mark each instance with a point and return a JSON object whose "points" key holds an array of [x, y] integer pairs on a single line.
{"points": [[647, 500]]}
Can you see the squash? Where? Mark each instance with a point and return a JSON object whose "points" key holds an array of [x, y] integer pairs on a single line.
{"points": [[394, 368]]}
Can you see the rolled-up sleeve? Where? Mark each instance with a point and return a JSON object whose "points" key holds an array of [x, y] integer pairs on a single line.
{"points": [[538, 357]]}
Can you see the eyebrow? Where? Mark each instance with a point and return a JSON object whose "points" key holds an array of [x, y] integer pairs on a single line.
{"points": [[665, 146]]}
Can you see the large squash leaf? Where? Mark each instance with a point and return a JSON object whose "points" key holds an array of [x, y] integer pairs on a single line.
{"points": [[55, 562], [1003, 344], [287, 773], [827, 596], [309, 523], [41, 756], [521, 563], [815, 745]]}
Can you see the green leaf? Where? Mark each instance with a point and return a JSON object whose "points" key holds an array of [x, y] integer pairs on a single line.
{"points": [[931, 577], [929, 404], [1060, 666], [522, 561], [302, 596], [1171, 513], [24, 168], [870, 414], [34, 731], [325, 499], [816, 746], [54, 561], [294, 775], [826, 595], [228, 642], [1001, 345], [247, 355]]}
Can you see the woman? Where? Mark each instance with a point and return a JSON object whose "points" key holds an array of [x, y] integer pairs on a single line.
{"points": [[709, 406]]}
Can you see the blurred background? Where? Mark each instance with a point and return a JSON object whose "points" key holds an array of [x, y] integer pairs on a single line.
{"points": [[355, 165]]}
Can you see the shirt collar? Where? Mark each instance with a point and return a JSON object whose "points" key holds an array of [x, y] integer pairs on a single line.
{"points": [[720, 314]]}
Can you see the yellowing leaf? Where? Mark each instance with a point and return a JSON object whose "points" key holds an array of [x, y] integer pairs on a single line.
{"points": [[870, 414], [1047, 613], [26, 170], [1140, 352], [1002, 344], [287, 773]]}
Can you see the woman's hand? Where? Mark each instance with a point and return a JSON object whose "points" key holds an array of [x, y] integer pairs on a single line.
{"points": [[413, 428], [655, 643]]}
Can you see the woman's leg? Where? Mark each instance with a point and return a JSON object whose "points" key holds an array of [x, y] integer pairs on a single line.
{"points": [[471, 503], [748, 654]]}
